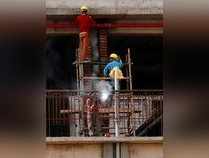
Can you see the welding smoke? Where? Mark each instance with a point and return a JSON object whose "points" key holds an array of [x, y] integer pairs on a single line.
{"points": [[105, 90]]}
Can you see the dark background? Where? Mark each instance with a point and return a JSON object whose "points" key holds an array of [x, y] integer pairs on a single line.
{"points": [[146, 55]]}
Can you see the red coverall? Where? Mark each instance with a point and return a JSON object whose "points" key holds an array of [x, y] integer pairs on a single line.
{"points": [[85, 23]]}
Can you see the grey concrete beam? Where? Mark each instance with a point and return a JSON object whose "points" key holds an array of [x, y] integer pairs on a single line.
{"points": [[107, 7], [105, 11], [93, 140]]}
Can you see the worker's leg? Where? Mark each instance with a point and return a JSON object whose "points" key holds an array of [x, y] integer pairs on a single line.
{"points": [[82, 45], [80, 42], [86, 53]]}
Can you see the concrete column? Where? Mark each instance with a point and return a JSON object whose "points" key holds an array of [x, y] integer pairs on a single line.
{"points": [[124, 150], [108, 150]]}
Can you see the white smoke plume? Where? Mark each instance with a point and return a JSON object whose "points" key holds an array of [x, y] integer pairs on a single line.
{"points": [[105, 90]]}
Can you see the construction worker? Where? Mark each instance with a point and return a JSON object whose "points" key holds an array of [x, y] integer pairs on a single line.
{"points": [[85, 23], [91, 112], [113, 70]]}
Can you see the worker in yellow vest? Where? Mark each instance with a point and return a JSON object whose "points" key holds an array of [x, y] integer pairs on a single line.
{"points": [[113, 70]]}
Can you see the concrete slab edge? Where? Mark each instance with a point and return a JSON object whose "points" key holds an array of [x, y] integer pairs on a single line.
{"points": [[104, 11], [93, 140]]}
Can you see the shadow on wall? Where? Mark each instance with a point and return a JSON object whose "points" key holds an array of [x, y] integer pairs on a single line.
{"points": [[60, 54]]}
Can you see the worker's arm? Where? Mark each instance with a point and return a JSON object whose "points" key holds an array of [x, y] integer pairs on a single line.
{"points": [[93, 22], [120, 63], [105, 71]]}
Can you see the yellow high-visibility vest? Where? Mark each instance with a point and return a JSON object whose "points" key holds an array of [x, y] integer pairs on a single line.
{"points": [[116, 73]]}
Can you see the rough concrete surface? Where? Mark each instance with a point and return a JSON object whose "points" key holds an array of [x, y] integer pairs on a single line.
{"points": [[129, 7], [97, 147], [74, 151], [145, 150], [93, 140]]}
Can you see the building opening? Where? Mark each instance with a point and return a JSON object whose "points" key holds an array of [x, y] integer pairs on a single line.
{"points": [[146, 56], [60, 52]]}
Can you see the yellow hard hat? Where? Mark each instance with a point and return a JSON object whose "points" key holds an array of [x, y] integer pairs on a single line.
{"points": [[114, 56], [83, 8]]}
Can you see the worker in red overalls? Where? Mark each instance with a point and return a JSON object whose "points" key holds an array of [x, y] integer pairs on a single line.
{"points": [[85, 24]]}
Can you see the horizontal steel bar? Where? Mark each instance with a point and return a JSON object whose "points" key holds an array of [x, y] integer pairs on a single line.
{"points": [[60, 25]]}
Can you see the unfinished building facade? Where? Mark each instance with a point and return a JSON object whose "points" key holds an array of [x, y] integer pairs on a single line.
{"points": [[134, 30]]}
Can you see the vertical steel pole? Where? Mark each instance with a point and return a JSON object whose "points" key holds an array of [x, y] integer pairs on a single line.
{"points": [[115, 106], [77, 70], [129, 67], [82, 95], [131, 88], [78, 122], [116, 116]]}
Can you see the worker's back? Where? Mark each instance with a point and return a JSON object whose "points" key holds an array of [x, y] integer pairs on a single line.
{"points": [[85, 22], [111, 65]]}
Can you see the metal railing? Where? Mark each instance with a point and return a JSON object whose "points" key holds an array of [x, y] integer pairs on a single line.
{"points": [[139, 113]]}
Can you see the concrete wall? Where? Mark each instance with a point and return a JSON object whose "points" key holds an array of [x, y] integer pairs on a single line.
{"points": [[74, 151], [151, 150], [129, 7], [103, 147]]}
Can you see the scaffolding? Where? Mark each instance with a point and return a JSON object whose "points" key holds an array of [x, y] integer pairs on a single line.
{"points": [[82, 79], [81, 112], [138, 113]]}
